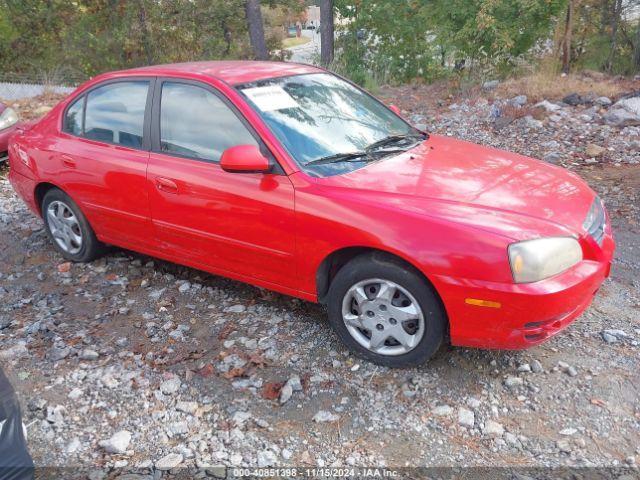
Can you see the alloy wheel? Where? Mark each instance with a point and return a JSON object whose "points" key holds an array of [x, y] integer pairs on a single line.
{"points": [[64, 227]]}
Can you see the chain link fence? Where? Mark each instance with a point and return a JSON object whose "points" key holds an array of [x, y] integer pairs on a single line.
{"points": [[16, 86]]}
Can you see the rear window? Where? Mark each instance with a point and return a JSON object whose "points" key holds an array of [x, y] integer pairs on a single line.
{"points": [[115, 113]]}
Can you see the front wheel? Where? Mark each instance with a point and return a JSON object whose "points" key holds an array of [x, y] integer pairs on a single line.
{"points": [[385, 312]]}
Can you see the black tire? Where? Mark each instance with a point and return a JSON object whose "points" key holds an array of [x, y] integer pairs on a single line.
{"points": [[378, 265], [91, 247]]}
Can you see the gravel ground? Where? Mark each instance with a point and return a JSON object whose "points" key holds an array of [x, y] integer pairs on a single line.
{"points": [[134, 362]]}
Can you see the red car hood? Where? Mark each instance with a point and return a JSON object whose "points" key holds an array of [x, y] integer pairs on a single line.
{"points": [[491, 189]]}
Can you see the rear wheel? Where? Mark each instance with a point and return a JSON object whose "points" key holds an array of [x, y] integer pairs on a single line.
{"points": [[68, 228], [385, 312]]}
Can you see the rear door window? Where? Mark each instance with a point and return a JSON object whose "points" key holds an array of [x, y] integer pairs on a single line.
{"points": [[115, 113]]}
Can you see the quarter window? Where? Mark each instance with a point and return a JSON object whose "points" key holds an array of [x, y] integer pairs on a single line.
{"points": [[196, 123], [73, 118], [115, 113]]}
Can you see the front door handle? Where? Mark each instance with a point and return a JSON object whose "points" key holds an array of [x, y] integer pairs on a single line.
{"points": [[68, 162], [166, 185]]}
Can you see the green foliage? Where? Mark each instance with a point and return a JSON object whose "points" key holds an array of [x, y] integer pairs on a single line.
{"points": [[92, 36], [398, 40]]}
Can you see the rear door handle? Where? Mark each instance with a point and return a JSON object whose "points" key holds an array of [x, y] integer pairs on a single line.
{"points": [[166, 185], [68, 162]]}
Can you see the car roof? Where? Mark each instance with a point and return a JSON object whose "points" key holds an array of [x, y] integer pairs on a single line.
{"points": [[231, 71]]}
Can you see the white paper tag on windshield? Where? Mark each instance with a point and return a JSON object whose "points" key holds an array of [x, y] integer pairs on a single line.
{"points": [[270, 98]]}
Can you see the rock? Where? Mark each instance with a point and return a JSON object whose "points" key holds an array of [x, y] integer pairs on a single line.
{"points": [[169, 461], [36, 404], [524, 368], [619, 334], [266, 458], [88, 354], [58, 353], [287, 454], [494, 112], [620, 117], [55, 415], [568, 431], [171, 386], [607, 337], [296, 384], [324, 416], [530, 123], [178, 428], [603, 101], [548, 106], [442, 410], [493, 429], [75, 394], [118, 443], [235, 309], [217, 471], [630, 104], [473, 402], [518, 101], [285, 393], [564, 446], [574, 99], [184, 287], [512, 381], [536, 366], [490, 84], [419, 121], [466, 418], [553, 158], [16, 351], [240, 417], [593, 150], [73, 445], [187, 407], [568, 369]]}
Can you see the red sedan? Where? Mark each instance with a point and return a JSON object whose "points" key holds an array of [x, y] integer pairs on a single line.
{"points": [[8, 125], [288, 177]]}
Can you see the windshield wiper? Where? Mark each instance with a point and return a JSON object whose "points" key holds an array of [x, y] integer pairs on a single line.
{"points": [[339, 157], [392, 139], [353, 157]]}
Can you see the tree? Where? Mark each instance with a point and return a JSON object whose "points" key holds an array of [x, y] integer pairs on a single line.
{"points": [[256, 29], [326, 32], [566, 38], [636, 50], [616, 11]]}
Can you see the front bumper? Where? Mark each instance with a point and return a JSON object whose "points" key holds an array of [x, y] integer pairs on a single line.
{"points": [[528, 314]]}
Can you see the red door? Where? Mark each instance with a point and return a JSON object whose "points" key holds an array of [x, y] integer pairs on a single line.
{"points": [[101, 161], [237, 223]]}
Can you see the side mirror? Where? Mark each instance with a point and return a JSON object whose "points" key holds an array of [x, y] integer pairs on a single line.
{"points": [[244, 159], [394, 109]]}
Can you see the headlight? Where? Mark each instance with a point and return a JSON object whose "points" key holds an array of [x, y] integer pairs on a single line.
{"points": [[534, 260], [7, 118], [594, 224]]}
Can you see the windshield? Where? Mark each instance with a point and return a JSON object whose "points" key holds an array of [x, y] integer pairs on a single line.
{"points": [[326, 124]]}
